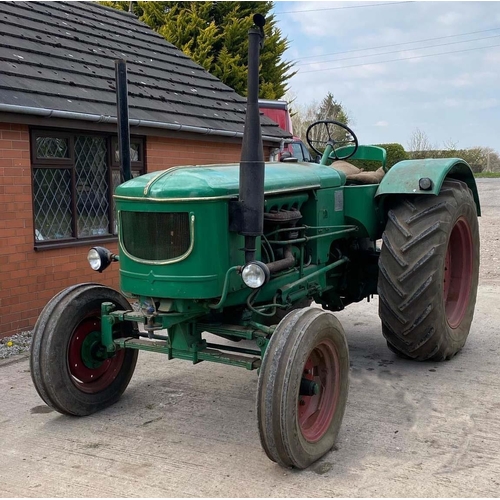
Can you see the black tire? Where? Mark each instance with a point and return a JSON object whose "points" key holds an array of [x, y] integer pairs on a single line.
{"points": [[56, 338], [295, 430], [428, 273]]}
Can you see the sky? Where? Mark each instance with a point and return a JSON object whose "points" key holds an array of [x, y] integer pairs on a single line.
{"points": [[453, 97]]}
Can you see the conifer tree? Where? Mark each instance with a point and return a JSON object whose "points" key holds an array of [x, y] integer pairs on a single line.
{"points": [[331, 109], [214, 35]]}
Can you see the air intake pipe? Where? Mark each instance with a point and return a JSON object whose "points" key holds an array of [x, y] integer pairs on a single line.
{"points": [[122, 119], [251, 196]]}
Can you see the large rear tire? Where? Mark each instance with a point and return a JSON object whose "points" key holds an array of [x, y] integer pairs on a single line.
{"points": [[429, 268], [307, 352], [65, 370]]}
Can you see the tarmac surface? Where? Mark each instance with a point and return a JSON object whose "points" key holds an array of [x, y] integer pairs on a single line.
{"points": [[410, 430]]}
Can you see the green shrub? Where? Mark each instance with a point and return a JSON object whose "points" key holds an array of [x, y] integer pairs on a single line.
{"points": [[487, 175]]}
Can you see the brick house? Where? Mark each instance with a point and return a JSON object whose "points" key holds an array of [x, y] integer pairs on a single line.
{"points": [[59, 160]]}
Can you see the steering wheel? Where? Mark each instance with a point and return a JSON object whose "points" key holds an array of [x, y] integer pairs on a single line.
{"points": [[332, 136]]}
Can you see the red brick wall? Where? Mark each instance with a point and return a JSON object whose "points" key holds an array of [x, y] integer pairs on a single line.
{"points": [[163, 152], [29, 278]]}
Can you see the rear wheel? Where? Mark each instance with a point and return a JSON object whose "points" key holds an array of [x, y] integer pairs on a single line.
{"points": [[69, 366], [303, 386], [429, 267]]}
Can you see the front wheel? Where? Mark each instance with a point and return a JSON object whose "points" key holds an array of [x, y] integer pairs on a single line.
{"points": [[429, 268], [69, 367], [303, 386]]}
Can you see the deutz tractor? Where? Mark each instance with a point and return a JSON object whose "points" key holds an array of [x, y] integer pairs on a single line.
{"points": [[264, 252]]}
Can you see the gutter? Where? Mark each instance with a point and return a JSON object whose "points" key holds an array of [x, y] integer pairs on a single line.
{"points": [[70, 115]]}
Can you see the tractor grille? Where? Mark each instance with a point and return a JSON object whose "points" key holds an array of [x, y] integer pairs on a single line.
{"points": [[155, 236]]}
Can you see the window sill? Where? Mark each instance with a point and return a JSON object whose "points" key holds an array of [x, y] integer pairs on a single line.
{"points": [[40, 247]]}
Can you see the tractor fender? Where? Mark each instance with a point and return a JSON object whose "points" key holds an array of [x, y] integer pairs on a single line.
{"points": [[404, 177]]}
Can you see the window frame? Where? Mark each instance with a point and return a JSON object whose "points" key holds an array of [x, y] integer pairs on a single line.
{"points": [[70, 164], [52, 162], [296, 146], [133, 164], [306, 153]]}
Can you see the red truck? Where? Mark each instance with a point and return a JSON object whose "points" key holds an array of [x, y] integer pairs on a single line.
{"points": [[278, 112]]}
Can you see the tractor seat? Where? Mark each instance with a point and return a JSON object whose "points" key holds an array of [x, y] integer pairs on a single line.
{"points": [[357, 175]]}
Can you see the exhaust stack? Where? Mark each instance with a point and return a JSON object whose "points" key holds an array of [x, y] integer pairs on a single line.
{"points": [[251, 195]]}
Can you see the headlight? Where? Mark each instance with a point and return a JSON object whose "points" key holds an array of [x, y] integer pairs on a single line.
{"points": [[255, 274], [100, 258]]}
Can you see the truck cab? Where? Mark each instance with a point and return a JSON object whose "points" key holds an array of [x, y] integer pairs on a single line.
{"points": [[278, 112]]}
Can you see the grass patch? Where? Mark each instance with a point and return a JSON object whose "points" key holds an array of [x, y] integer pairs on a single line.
{"points": [[488, 175]]}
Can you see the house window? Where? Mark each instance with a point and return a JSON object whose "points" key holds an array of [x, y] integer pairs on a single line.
{"points": [[74, 177]]}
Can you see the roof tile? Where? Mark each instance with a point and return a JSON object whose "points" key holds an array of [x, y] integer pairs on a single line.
{"points": [[60, 55]]}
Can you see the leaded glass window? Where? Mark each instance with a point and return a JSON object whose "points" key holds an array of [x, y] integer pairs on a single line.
{"points": [[52, 200], [92, 186], [74, 177], [135, 152], [52, 147]]}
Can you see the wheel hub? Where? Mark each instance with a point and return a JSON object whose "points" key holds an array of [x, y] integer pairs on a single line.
{"points": [[308, 387], [90, 369], [319, 391], [458, 272], [92, 355]]}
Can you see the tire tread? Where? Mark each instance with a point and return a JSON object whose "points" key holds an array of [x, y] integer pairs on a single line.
{"points": [[413, 320]]}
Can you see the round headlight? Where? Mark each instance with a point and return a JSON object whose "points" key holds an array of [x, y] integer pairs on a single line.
{"points": [[100, 258], [255, 274], [94, 259]]}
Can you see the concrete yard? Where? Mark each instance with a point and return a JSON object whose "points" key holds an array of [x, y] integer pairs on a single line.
{"points": [[410, 429]]}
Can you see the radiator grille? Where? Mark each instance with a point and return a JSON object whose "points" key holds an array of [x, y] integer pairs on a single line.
{"points": [[155, 236]]}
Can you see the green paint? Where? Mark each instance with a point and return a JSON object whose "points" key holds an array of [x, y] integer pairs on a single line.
{"points": [[360, 211], [208, 181], [107, 323], [325, 209], [91, 348], [225, 288], [315, 280], [205, 354], [201, 290], [404, 177], [368, 153], [194, 277]]}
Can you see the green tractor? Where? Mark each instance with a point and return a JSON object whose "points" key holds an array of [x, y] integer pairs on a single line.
{"points": [[242, 251]]}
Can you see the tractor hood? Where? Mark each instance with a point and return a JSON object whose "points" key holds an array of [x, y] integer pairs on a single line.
{"points": [[222, 181]]}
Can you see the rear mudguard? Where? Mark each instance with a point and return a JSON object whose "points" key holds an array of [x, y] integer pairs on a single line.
{"points": [[404, 177]]}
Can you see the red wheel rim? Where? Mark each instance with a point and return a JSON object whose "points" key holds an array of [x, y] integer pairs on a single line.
{"points": [[315, 413], [87, 379], [458, 272]]}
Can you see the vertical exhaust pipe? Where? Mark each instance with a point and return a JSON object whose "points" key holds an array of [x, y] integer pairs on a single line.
{"points": [[122, 116], [251, 195]]}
